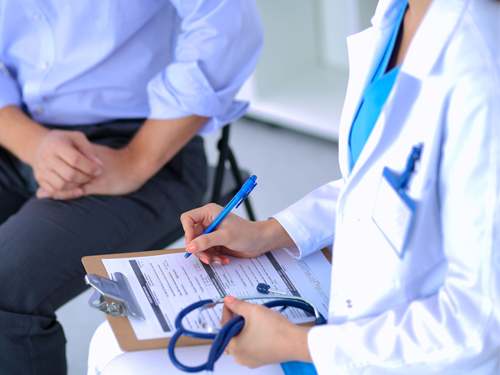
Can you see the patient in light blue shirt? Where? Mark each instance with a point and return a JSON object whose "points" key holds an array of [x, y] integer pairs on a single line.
{"points": [[101, 108], [92, 63]]}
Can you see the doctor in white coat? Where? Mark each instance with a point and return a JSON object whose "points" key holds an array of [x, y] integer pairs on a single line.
{"points": [[430, 303]]}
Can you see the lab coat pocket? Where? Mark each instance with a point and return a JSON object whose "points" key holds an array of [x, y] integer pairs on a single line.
{"points": [[369, 278], [393, 213], [425, 257]]}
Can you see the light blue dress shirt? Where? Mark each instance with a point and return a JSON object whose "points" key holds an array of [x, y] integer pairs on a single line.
{"points": [[87, 62]]}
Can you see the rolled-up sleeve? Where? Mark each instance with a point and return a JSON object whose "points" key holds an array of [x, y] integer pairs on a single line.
{"points": [[217, 49], [9, 90]]}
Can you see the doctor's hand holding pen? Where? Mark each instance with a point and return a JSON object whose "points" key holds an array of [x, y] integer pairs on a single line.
{"points": [[268, 336], [235, 236]]}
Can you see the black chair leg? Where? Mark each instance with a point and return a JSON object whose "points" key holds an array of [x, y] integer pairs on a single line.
{"points": [[225, 153], [223, 146], [239, 181]]}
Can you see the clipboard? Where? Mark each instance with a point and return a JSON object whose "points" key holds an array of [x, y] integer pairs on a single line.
{"points": [[121, 327]]}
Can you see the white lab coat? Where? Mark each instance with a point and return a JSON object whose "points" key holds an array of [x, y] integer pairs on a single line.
{"points": [[437, 310]]}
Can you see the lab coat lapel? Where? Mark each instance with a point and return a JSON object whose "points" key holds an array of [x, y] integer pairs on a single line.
{"points": [[432, 36], [422, 56], [361, 49]]}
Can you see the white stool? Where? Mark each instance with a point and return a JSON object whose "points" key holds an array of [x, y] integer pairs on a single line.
{"points": [[106, 358]]}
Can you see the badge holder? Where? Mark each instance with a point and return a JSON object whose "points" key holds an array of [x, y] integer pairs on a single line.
{"points": [[113, 297], [394, 211]]}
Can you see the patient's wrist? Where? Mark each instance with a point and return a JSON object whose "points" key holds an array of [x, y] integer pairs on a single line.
{"points": [[142, 164], [20, 134]]}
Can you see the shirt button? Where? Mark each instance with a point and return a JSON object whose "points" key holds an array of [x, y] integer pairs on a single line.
{"points": [[36, 16], [349, 303], [39, 109]]}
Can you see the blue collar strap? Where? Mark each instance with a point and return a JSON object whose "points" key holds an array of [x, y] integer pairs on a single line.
{"points": [[298, 368]]}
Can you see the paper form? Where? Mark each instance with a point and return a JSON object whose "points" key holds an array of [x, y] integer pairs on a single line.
{"points": [[165, 284]]}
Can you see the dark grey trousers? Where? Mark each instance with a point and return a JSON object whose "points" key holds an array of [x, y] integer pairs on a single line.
{"points": [[42, 242]]}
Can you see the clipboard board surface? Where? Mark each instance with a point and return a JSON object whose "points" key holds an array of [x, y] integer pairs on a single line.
{"points": [[121, 327]]}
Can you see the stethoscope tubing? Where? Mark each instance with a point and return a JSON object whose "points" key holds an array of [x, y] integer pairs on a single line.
{"points": [[230, 329], [302, 301]]}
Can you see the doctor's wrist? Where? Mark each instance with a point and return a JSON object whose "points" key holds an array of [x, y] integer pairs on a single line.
{"points": [[299, 350], [274, 236], [291, 345]]}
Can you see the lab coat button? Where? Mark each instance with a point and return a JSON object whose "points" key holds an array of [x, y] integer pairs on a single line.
{"points": [[39, 109], [43, 65], [349, 303], [36, 16]]}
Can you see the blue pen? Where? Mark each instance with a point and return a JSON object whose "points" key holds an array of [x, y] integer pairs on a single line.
{"points": [[236, 201]]}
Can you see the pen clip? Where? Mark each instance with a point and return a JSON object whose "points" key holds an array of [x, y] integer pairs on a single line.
{"points": [[410, 165], [246, 195]]}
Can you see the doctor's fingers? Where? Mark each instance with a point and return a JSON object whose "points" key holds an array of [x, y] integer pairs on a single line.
{"points": [[212, 256], [233, 307], [235, 236], [227, 315], [202, 216], [241, 347], [265, 338], [198, 230], [215, 240], [241, 307]]}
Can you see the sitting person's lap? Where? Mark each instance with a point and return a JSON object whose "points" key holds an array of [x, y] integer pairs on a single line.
{"points": [[106, 358], [42, 242]]}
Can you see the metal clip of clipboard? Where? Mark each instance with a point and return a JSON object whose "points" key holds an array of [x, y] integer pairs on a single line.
{"points": [[113, 297]]}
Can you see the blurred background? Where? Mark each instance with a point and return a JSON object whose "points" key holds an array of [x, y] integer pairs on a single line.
{"points": [[289, 136]]}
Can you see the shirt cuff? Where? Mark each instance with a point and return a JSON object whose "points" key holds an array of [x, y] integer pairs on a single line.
{"points": [[310, 221], [9, 93], [338, 348], [303, 241]]}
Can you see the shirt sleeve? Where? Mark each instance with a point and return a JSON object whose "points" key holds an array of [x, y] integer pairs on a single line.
{"points": [[9, 90], [217, 49], [310, 222], [457, 329]]}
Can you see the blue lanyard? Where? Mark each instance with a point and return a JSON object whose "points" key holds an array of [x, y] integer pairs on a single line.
{"points": [[298, 368], [374, 97]]}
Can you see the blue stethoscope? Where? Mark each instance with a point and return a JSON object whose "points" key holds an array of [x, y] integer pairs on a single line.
{"points": [[232, 328]]}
